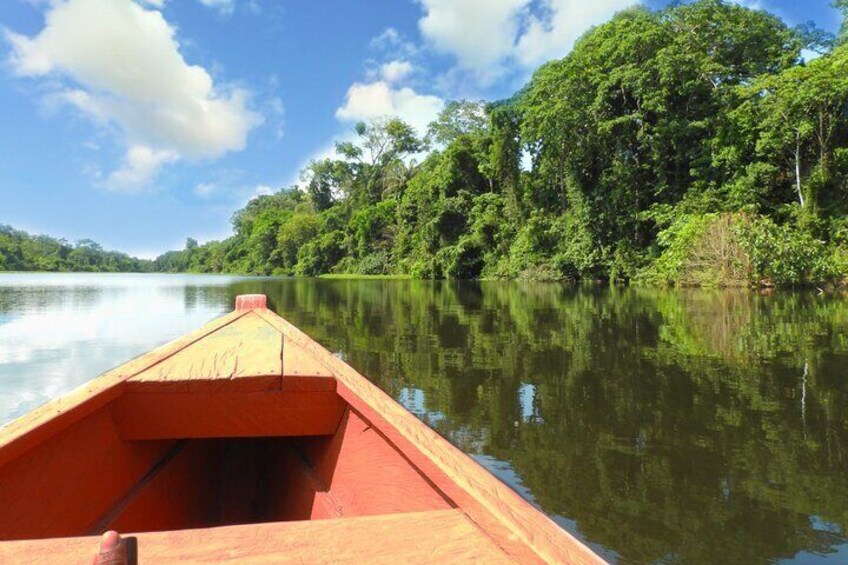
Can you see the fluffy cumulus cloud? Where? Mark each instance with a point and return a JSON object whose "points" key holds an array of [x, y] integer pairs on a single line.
{"points": [[564, 21], [478, 32], [394, 71], [141, 164], [367, 101], [391, 41], [165, 108], [489, 36]]}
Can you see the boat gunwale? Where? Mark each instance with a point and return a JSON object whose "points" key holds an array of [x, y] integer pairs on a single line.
{"points": [[38, 425], [484, 498], [535, 529]]}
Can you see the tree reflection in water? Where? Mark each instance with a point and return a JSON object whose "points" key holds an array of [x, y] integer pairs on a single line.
{"points": [[671, 426], [662, 426]]}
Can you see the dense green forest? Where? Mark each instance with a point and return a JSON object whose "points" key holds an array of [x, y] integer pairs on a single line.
{"points": [[20, 251], [692, 145]]}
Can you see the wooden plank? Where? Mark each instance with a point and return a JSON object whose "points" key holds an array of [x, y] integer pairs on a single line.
{"points": [[366, 475], [152, 478], [445, 536], [298, 362], [35, 427], [67, 485], [247, 350], [304, 384], [512, 523], [146, 416], [296, 492], [251, 301], [487, 500]]}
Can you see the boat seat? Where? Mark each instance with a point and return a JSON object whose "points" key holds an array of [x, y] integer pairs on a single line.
{"points": [[441, 536]]}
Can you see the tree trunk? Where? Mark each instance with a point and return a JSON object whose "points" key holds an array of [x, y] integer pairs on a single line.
{"points": [[798, 167]]}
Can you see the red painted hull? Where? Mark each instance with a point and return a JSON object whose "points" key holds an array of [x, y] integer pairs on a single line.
{"points": [[246, 441]]}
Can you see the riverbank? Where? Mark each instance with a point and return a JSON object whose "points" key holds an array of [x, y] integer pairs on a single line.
{"points": [[358, 276]]}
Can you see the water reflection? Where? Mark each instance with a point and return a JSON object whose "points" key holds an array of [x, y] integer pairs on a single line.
{"points": [[693, 427], [58, 331]]}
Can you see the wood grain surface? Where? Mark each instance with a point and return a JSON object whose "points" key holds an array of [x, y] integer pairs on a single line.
{"points": [[445, 536]]}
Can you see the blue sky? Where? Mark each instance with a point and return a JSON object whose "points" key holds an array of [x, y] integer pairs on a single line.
{"points": [[138, 123]]}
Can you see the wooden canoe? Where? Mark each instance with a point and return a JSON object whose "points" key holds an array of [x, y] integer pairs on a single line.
{"points": [[247, 442]]}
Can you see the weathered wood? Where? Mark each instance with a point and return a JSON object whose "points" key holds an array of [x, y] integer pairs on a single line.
{"points": [[251, 301], [305, 384], [366, 475], [297, 362], [246, 353], [33, 428], [147, 416], [445, 536], [255, 375], [302, 494], [68, 483], [513, 523]]}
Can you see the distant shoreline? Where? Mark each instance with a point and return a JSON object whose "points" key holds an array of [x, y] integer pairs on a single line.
{"points": [[762, 288]]}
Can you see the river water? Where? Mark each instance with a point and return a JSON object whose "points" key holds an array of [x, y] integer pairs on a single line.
{"points": [[658, 426]]}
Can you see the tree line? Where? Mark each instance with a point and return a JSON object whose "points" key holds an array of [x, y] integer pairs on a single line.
{"points": [[691, 145], [688, 145], [20, 251]]}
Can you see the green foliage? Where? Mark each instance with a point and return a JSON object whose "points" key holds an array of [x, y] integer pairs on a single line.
{"points": [[796, 121], [458, 118], [784, 255], [321, 254], [20, 251], [324, 181], [842, 6], [741, 249], [689, 145], [372, 228], [702, 250], [299, 230]]}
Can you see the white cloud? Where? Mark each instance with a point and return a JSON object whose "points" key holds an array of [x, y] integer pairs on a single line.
{"points": [[394, 71], [205, 189], [379, 99], [249, 193], [391, 41], [262, 190], [389, 36], [141, 165], [165, 108], [226, 7], [563, 21], [480, 33], [750, 4], [808, 55], [491, 36], [277, 111]]}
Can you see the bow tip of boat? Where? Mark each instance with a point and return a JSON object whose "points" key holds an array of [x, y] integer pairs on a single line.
{"points": [[251, 301]]}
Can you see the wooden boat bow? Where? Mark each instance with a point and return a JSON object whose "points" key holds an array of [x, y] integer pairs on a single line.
{"points": [[246, 441]]}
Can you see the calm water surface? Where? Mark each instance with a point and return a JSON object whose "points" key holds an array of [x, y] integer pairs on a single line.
{"points": [[658, 426]]}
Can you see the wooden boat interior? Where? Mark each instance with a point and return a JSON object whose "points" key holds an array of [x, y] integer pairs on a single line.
{"points": [[249, 422], [182, 447]]}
